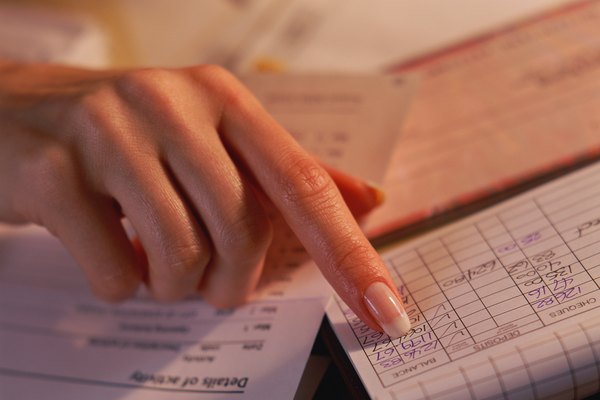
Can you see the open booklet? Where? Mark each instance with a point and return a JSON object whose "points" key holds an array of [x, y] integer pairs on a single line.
{"points": [[503, 304], [493, 111]]}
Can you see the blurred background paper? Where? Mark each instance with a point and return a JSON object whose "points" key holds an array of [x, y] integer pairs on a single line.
{"points": [[43, 34], [303, 35], [361, 36]]}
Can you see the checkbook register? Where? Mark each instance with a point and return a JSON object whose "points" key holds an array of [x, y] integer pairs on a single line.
{"points": [[489, 152]]}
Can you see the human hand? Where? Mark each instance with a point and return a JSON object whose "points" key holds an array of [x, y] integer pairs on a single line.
{"points": [[192, 160]]}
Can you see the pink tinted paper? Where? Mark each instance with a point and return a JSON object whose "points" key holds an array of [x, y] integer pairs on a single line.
{"points": [[494, 111]]}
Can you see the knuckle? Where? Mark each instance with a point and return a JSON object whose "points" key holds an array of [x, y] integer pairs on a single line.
{"points": [[104, 134], [147, 83], [212, 70], [90, 110], [156, 91], [224, 86], [221, 299], [97, 123], [49, 174], [212, 74], [304, 181], [164, 97], [246, 238], [186, 259]]}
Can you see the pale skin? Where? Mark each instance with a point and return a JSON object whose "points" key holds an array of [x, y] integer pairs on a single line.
{"points": [[194, 163]]}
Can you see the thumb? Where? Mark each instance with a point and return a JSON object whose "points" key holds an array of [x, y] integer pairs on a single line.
{"points": [[360, 197]]}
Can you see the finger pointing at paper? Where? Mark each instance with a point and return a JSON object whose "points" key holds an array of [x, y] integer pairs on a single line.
{"points": [[187, 155]]}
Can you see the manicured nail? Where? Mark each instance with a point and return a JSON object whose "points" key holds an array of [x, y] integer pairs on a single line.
{"points": [[272, 65], [376, 192], [387, 309]]}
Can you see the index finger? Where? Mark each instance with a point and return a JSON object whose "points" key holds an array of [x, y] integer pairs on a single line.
{"points": [[311, 204]]}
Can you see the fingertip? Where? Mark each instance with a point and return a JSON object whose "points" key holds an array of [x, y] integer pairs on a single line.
{"points": [[142, 258], [222, 291], [364, 283], [221, 302], [386, 307], [165, 296], [115, 289]]}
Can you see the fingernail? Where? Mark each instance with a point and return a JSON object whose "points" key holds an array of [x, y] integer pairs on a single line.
{"points": [[376, 192], [387, 309], [270, 65]]}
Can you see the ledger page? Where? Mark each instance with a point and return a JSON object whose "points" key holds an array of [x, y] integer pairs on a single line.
{"points": [[503, 304]]}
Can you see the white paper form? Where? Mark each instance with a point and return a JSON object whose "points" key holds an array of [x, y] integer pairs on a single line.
{"points": [[503, 304], [58, 342], [351, 122]]}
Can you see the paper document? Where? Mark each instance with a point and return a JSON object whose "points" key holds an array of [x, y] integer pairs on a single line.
{"points": [[503, 304], [56, 338], [354, 36], [351, 122], [40, 34], [495, 110], [57, 341]]}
